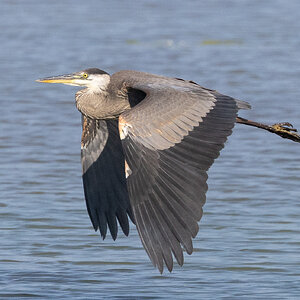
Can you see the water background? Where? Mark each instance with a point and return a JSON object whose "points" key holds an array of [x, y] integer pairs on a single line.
{"points": [[248, 246]]}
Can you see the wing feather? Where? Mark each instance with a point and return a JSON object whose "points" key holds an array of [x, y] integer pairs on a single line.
{"points": [[104, 181], [170, 139]]}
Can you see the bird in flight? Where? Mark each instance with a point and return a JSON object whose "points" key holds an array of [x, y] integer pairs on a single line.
{"points": [[147, 144]]}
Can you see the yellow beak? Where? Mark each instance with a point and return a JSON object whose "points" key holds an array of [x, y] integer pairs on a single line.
{"points": [[65, 79]]}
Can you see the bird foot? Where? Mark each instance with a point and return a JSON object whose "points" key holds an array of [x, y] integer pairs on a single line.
{"points": [[284, 127], [286, 130]]}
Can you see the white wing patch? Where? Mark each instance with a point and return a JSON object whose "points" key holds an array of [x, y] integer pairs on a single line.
{"points": [[128, 171], [123, 128]]}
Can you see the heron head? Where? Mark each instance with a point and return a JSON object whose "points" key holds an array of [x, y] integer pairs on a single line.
{"points": [[93, 78]]}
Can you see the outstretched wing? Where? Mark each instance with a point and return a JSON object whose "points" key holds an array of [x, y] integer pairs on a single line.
{"points": [[103, 176], [170, 140]]}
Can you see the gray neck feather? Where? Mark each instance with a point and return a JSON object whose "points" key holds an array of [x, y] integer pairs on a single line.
{"points": [[100, 105]]}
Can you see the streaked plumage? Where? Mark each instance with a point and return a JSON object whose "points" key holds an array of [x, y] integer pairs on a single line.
{"points": [[147, 143]]}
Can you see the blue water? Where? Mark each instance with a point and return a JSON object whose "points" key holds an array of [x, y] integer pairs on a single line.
{"points": [[249, 240]]}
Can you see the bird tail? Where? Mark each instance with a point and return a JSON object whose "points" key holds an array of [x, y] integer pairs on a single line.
{"points": [[242, 104]]}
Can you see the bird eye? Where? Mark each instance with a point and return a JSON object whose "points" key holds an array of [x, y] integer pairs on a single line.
{"points": [[85, 75]]}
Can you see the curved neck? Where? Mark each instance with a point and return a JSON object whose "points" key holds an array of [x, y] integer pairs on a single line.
{"points": [[100, 104]]}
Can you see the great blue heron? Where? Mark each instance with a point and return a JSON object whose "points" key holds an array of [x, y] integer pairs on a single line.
{"points": [[147, 143]]}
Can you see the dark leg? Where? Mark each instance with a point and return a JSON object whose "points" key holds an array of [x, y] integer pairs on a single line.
{"points": [[285, 130]]}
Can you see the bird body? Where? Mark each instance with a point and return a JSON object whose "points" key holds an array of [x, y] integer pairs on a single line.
{"points": [[147, 144]]}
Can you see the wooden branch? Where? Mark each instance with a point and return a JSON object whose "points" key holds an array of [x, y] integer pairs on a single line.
{"points": [[285, 130]]}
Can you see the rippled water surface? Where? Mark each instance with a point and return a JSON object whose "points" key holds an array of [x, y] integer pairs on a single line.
{"points": [[248, 245]]}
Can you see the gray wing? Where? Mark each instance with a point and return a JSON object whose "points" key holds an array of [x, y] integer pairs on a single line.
{"points": [[103, 176], [170, 140]]}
